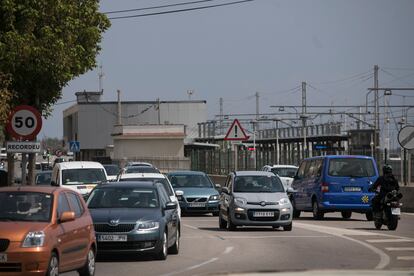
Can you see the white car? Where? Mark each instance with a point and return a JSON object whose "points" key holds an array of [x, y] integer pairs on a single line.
{"points": [[152, 177], [80, 176], [286, 173]]}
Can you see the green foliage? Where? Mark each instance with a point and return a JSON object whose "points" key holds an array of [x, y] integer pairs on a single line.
{"points": [[46, 43]]}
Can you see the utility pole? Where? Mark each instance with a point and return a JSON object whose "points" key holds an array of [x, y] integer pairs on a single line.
{"points": [[304, 116], [100, 76], [376, 114], [221, 116], [257, 109], [119, 122], [159, 111]]}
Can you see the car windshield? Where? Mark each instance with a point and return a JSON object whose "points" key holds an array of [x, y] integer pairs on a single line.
{"points": [[111, 169], [284, 172], [25, 206], [190, 181], [351, 167], [141, 169], [123, 197], [257, 184], [83, 176], [163, 181], [43, 178]]}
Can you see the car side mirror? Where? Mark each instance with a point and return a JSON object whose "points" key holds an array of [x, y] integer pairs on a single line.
{"points": [[217, 186], [170, 206], [53, 183], [179, 193], [290, 190], [67, 216]]}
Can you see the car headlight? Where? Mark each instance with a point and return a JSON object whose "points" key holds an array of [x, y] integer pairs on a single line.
{"points": [[240, 201], [148, 225], [214, 197], [284, 201], [34, 239]]}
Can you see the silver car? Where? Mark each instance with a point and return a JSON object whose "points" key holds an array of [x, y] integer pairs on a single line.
{"points": [[254, 198]]}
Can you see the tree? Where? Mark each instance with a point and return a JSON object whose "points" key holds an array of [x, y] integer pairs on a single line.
{"points": [[46, 43]]}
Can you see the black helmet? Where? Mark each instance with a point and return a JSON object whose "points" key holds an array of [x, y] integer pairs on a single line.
{"points": [[387, 169]]}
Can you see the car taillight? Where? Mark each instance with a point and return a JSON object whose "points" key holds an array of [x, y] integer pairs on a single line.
{"points": [[325, 187]]}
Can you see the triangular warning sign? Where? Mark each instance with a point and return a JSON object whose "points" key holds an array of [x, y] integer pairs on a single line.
{"points": [[236, 132]]}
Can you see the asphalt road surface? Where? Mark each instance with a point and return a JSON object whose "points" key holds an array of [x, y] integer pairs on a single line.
{"points": [[333, 243]]}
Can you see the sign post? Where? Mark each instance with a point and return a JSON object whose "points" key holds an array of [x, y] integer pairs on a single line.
{"points": [[23, 124], [406, 141], [236, 134]]}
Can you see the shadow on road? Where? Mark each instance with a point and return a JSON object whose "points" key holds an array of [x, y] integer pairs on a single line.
{"points": [[328, 219], [119, 257], [242, 229], [368, 229]]}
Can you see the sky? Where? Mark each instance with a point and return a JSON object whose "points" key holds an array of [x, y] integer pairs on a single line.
{"points": [[264, 46]]}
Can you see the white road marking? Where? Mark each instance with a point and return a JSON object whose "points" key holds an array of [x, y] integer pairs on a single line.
{"points": [[228, 250], [409, 214], [190, 226], [388, 240], [384, 258], [399, 248], [267, 237], [405, 258], [191, 267]]}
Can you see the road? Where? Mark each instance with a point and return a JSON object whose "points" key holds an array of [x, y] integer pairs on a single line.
{"points": [[333, 243]]}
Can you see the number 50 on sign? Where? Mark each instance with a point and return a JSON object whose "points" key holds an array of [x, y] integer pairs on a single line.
{"points": [[24, 122]]}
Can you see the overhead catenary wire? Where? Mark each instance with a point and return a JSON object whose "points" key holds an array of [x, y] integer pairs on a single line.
{"points": [[159, 6], [181, 10]]}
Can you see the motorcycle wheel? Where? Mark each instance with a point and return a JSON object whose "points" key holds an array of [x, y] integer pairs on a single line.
{"points": [[392, 222], [378, 224]]}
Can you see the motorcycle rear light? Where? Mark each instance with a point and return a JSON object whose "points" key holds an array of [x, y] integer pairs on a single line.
{"points": [[325, 187]]}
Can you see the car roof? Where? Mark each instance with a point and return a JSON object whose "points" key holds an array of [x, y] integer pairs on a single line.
{"points": [[340, 156], [127, 184], [44, 172], [142, 175], [80, 164], [250, 173], [137, 163], [283, 166], [186, 173]]}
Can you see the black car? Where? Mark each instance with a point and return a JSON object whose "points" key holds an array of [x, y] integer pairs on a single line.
{"points": [[135, 217]]}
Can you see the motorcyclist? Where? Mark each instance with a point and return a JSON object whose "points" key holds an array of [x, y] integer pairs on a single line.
{"points": [[383, 185]]}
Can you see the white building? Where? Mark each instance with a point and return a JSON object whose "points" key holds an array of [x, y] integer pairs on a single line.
{"points": [[91, 121]]}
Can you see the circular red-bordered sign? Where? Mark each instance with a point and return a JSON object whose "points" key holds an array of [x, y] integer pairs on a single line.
{"points": [[24, 123]]}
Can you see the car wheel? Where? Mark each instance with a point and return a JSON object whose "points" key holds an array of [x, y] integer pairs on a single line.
{"points": [[287, 227], [296, 213], [317, 214], [176, 246], [346, 214], [53, 268], [369, 216], [89, 268], [230, 225], [222, 222], [163, 253]]}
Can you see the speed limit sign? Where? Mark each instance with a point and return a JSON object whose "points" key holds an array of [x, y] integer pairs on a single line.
{"points": [[24, 122]]}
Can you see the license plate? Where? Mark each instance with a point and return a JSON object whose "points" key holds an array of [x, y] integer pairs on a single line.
{"points": [[112, 238], [3, 258], [396, 211], [352, 189], [263, 214], [197, 204]]}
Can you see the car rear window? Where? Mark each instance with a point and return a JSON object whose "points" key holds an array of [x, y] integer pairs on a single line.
{"points": [[26, 206], [284, 172], [257, 184], [351, 167], [190, 181], [163, 181]]}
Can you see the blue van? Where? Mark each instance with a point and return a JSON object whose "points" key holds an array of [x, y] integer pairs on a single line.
{"points": [[334, 183]]}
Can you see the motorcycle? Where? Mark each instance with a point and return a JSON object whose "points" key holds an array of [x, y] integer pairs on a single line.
{"points": [[390, 211]]}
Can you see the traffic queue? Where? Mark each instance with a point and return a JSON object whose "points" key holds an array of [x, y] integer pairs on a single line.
{"points": [[63, 226]]}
